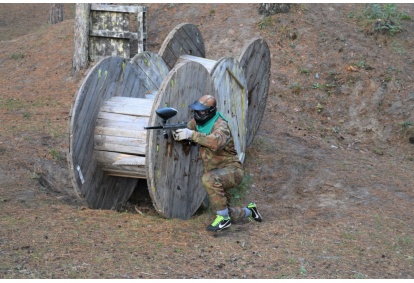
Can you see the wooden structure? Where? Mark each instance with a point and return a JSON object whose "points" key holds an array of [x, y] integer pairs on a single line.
{"points": [[116, 31], [255, 61], [109, 150]]}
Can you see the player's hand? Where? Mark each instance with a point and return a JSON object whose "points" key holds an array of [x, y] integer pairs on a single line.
{"points": [[182, 134]]}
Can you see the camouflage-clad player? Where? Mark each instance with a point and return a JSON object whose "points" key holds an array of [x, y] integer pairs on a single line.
{"points": [[221, 166]]}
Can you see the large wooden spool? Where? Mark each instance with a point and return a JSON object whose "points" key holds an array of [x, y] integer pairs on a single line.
{"points": [[109, 150], [107, 156]]}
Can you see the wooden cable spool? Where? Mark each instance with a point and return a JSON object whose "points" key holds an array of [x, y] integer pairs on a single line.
{"points": [[109, 149], [99, 125]]}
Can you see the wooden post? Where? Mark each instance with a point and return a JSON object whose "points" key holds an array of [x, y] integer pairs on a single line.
{"points": [[55, 13], [80, 56]]}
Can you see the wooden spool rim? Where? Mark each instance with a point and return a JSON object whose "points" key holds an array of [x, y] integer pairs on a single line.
{"points": [[111, 76], [255, 61], [231, 94], [88, 180], [174, 178], [185, 38]]}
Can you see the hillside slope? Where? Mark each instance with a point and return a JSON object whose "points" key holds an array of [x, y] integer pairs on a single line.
{"points": [[331, 163]]}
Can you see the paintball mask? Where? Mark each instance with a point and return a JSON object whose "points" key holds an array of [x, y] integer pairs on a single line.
{"points": [[204, 109]]}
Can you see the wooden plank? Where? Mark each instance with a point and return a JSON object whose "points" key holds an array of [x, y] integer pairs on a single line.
{"points": [[139, 107], [119, 9], [110, 158], [135, 128], [143, 120], [126, 174], [141, 41], [120, 144], [108, 161], [114, 34], [100, 47], [207, 63]]}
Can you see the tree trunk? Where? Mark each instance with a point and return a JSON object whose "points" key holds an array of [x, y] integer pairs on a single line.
{"points": [[80, 56], [55, 13], [267, 9]]}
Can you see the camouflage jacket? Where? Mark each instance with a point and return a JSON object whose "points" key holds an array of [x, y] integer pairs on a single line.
{"points": [[216, 149]]}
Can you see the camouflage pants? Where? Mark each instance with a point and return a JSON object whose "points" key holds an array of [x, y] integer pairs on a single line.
{"points": [[218, 184]]}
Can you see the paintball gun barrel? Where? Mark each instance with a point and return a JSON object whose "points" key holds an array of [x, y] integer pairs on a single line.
{"points": [[165, 114]]}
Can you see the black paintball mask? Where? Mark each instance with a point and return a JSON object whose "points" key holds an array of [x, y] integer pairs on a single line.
{"points": [[202, 112]]}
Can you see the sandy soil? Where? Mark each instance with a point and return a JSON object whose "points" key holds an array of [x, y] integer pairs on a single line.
{"points": [[331, 163]]}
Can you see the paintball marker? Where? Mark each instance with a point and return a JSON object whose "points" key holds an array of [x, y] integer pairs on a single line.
{"points": [[165, 114]]}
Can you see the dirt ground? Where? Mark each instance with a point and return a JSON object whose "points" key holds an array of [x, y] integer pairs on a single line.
{"points": [[331, 163]]}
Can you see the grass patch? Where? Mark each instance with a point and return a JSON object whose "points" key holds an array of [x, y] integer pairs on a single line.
{"points": [[295, 87], [381, 18], [238, 193], [17, 56]]}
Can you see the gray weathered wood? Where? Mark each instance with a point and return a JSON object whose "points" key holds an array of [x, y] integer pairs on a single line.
{"points": [[110, 77], [152, 69], [111, 33], [55, 13], [183, 39], [231, 89], [173, 175], [80, 58], [119, 9], [255, 61]]}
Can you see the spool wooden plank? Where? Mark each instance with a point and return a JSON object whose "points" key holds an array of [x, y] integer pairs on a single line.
{"points": [[183, 39], [173, 176], [151, 68], [110, 77], [255, 61], [230, 86]]}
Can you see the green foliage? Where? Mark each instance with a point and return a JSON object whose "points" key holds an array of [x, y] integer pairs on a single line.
{"points": [[295, 87], [405, 125], [384, 18], [317, 86], [265, 22], [397, 47], [238, 193], [304, 71], [319, 108], [56, 154], [17, 56], [11, 104]]}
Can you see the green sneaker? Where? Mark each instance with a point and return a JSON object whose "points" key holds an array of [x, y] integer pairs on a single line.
{"points": [[255, 213], [219, 224]]}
